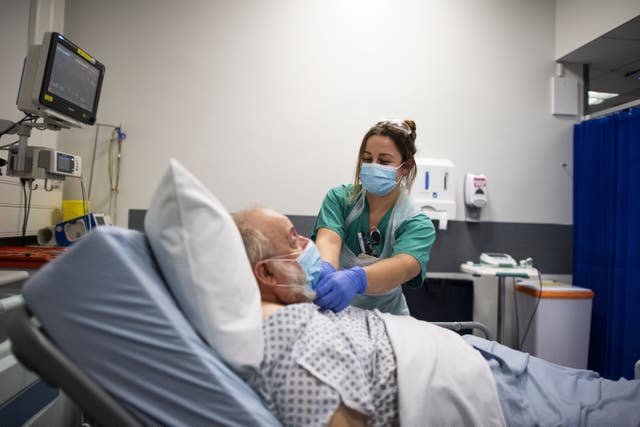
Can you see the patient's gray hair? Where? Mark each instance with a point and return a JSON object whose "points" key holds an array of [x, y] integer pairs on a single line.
{"points": [[258, 247]]}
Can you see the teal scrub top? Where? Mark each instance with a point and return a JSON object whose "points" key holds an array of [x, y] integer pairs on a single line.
{"points": [[414, 237]]}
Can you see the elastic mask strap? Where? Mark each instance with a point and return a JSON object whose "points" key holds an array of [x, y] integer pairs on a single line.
{"points": [[290, 285]]}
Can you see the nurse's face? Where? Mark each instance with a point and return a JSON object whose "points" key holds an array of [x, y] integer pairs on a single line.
{"points": [[382, 150]]}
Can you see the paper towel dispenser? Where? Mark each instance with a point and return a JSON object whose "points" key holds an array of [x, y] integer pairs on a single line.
{"points": [[434, 189]]}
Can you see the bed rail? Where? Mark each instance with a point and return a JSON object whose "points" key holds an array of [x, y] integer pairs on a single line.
{"points": [[458, 326]]}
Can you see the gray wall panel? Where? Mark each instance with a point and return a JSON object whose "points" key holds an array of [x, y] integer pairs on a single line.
{"points": [[550, 245]]}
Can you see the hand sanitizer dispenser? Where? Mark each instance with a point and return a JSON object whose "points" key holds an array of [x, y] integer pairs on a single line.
{"points": [[434, 189], [475, 195]]}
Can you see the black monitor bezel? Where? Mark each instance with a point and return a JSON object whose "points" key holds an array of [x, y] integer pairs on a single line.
{"points": [[59, 103]]}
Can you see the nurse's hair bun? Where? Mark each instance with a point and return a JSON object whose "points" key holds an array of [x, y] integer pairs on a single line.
{"points": [[411, 124]]}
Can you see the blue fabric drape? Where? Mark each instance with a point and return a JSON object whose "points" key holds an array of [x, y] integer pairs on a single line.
{"points": [[606, 248]]}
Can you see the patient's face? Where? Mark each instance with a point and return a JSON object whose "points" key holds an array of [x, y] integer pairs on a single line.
{"points": [[287, 244], [279, 230]]}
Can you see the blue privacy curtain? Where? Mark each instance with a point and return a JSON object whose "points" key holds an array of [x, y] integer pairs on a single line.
{"points": [[606, 248]]}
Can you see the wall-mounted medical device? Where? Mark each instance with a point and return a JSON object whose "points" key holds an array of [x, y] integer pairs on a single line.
{"points": [[61, 85], [475, 195], [60, 82], [434, 189], [45, 163]]}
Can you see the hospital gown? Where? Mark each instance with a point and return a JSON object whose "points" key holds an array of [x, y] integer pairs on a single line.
{"points": [[314, 359]]}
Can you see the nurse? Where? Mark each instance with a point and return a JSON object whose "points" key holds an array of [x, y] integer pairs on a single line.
{"points": [[369, 233]]}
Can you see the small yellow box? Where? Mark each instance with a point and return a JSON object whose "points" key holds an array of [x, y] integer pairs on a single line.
{"points": [[74, 208]]}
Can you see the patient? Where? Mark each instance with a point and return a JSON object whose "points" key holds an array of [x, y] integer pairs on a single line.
{"points": [[296, 382], [353, 368]]}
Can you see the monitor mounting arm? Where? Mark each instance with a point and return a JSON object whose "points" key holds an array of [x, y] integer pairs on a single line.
{"points": [[23, 130]]}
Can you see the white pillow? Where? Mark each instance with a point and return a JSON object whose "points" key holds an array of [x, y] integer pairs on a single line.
{"points": [[200, 252]]}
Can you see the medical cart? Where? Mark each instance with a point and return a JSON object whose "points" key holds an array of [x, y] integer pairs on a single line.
{"points": [[501, 273]]}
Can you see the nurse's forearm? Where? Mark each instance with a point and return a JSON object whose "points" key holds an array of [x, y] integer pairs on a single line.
{"points": [[388, 273], [329, 244]]}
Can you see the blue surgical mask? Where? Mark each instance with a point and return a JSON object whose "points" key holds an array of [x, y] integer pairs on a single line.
{"points": [[378, 179], [311, 263]]}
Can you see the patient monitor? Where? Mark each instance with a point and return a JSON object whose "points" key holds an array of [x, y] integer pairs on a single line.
{"points": [[45, 163], [61, 85], [60, 82]]}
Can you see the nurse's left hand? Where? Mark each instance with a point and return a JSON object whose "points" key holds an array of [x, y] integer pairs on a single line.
{"points": [[336, 290]]}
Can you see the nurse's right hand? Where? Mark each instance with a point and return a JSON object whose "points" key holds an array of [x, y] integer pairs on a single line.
{"points": [[327, 268], [335, 290]]}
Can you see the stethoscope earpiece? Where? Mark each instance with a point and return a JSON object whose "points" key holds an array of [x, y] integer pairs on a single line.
{"points": [[375, 235]]}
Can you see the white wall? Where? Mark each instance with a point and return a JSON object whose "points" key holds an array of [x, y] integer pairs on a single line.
{"points": [[45, 206], [267, 102], [580, 21]]}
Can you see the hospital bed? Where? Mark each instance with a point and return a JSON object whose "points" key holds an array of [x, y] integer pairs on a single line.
{"points": [[101, 324], [96, 300]]}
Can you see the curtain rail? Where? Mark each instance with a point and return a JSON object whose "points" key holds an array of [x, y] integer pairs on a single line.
{"points": [[611, 110]]}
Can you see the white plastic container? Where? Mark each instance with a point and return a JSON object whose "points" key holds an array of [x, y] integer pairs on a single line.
{"points": [[560, 328], [434, 189]]}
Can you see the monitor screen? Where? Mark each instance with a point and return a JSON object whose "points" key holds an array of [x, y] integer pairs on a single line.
{"points": [[65, 163], [72, 80]]}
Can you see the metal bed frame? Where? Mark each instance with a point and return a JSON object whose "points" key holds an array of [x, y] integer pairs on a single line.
{"points": [[459, 326]]}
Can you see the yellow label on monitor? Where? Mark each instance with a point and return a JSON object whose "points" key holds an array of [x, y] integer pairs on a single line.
{"points": [[84, 54], [48, 97]]}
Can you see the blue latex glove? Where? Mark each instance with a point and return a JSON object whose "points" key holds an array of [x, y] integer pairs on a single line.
{"points": [[336, 290], [327, 268]]}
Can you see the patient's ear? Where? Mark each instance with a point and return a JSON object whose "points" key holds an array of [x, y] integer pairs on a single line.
{"points": [[263, 273]]}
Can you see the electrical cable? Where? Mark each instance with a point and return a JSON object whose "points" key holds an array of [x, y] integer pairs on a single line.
{"points": [[3, 147], [10, 128], [515, 304], [95, 149], [27, 206], [93, 159], [26, 220], [24, 212], [85, 211], [114, 187], [535, 309]]}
